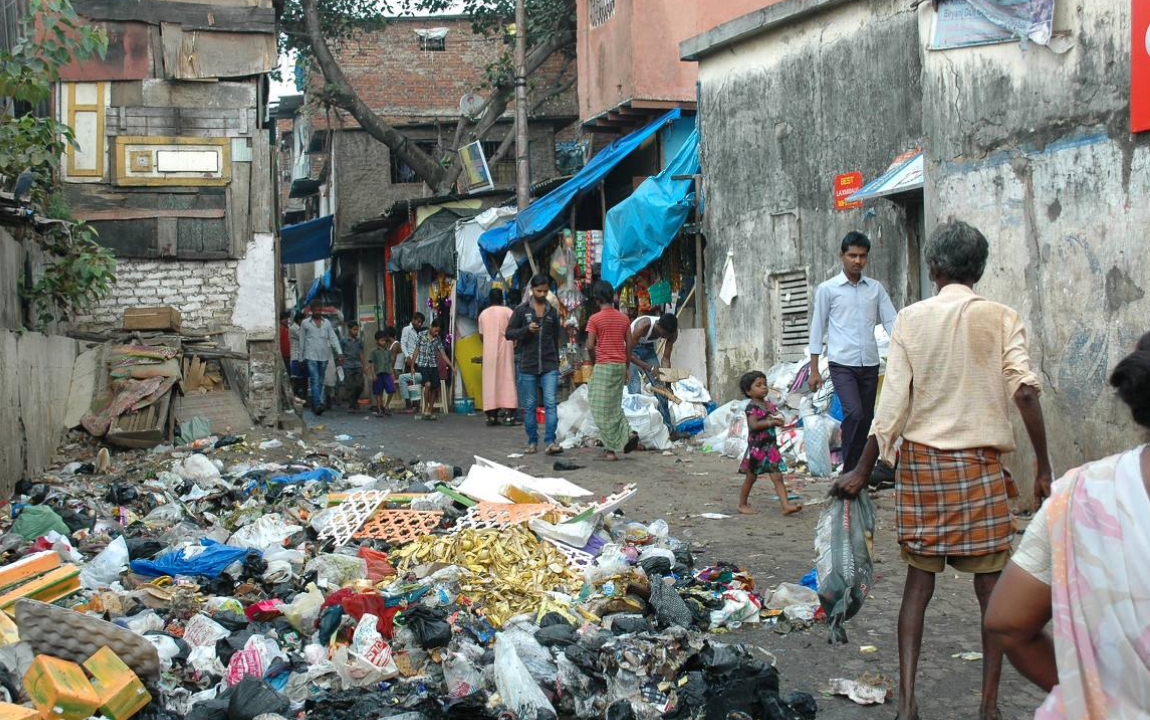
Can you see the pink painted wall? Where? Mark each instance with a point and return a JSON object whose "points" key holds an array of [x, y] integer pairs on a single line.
{"points": [[634, 55]]}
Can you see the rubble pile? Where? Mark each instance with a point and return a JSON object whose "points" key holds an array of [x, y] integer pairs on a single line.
{"points": [[278, 579]]}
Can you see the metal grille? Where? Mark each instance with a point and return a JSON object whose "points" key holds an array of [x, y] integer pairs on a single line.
{"points": [[601, 11], [791, 302]]}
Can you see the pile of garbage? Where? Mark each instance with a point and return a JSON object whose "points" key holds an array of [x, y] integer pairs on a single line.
{"points": [[211, 585]]}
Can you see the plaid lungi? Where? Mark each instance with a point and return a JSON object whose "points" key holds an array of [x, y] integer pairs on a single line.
{"points": [[952, 502], [606, 397]]}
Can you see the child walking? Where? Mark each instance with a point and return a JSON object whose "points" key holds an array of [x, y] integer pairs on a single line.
{"points": [[763, 457], [380, 365]]}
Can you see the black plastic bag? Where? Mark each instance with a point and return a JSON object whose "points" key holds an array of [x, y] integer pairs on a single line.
{"points": [[429, 626], [552, 635], [628, 624], [252, 696], [669, 607], [655, 566], [844, 541]]}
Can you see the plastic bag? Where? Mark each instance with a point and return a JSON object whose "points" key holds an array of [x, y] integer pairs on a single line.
{"points": [[252, 697], [104, 569], [431, 630], [739, 607], [787, 594], [378, 566], [515, 684], [198, 469], [818, 430], [266, 532], [461, 677], [337, 570], [643, 416], [537, 659], [717, 426], [844, 541], [208, 559], [38, 520], [303, 610], [575, 534]]}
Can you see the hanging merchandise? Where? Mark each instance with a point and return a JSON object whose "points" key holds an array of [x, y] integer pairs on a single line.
{"points": [[660, 293]]}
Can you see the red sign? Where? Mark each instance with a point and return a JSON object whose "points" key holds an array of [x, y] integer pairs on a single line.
{"points": [[848, 184], [1140, 66]]}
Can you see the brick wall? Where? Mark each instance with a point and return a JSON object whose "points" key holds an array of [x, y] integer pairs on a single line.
{"points": [[203, 291], [401, 82]]}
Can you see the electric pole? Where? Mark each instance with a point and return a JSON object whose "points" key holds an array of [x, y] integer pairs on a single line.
{"points": [[522, 154]]}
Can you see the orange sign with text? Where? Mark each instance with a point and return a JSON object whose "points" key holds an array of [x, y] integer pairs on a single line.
{"points": [[1140, 66], [847, 184]]}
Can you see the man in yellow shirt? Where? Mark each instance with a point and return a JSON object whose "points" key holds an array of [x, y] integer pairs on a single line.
{"points": [[965, 358]]}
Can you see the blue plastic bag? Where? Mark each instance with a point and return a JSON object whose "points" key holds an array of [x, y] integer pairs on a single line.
{"points": [[321, 474], [209, 562]]}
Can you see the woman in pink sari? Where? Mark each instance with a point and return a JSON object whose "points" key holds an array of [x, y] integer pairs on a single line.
{"points": [[1083, 564]]}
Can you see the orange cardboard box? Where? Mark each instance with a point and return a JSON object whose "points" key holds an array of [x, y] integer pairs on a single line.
{"points": [[121, 693], [60, 690], [27, 567], [8, 711]]}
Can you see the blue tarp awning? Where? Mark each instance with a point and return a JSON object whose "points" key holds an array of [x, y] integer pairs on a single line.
{"points": [[323, 283], [904, 174], [547, 213], [641, 227], [306, 241]]}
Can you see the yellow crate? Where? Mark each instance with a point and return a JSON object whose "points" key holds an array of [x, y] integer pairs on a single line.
{"points": [[121, 693], [60, 690]]}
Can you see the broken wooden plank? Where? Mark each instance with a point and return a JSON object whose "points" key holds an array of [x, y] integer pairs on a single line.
{"points": [[189, 16], [223, 409]]}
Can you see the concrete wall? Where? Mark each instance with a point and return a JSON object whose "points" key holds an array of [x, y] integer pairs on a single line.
{"points": [[780, 115], [1034, 149], [635, 54], [363, 171], [35, 376]]}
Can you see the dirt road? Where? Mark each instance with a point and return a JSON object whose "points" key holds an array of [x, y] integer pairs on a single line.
{"points": [[682, 486]]}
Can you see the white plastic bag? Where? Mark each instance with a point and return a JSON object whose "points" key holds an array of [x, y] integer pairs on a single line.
{"points": [[574, 534], [643, 416], [818, 430], [198, 469], [303, 610], [266, 532], [718, 424], [461, 677], [515, 684], [787, 594], [572, 412], [104, 569]]}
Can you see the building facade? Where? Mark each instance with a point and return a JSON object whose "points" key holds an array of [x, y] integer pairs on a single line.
{"points": [[173, 167], [796, 95]]}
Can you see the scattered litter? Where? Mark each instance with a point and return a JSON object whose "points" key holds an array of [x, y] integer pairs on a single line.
{"points": [[868, 649], [859, 692], [968, 656], [713, 516]]}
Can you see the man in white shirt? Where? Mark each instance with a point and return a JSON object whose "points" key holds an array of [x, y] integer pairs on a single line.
{"points": [[317, 338], [847, 308], [410, 382]]}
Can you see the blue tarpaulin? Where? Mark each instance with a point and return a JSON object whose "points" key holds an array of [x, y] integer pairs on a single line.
{"points": [[323, 283], [306, 241], [641, 227], [546, 213]]}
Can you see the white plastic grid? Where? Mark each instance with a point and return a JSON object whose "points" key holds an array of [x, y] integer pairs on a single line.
{"points": [[576, 558]]}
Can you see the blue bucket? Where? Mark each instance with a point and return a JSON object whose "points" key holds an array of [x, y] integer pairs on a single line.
{"points": [[464, 406]]}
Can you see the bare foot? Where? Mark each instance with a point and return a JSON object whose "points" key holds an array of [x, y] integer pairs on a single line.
{"points": [[608, 457], [789, 509], [910, 713], [991, 714], [747, 510]]}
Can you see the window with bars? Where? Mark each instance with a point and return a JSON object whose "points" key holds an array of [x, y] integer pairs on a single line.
{"points": [[401, 172], [433, 44], [601, 11], [790, 303]]}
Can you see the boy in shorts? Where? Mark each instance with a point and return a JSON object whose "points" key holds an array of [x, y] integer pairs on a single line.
{"points": [[379, 364]]}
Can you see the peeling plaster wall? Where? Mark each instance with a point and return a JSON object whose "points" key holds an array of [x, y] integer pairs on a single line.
{"points": [[1034, 149], [780, 115]]}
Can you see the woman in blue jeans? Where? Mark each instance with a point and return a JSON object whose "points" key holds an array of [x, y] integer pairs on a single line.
{"points": [[535, 328]]}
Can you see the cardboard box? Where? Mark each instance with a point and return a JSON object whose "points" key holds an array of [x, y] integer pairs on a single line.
{"points": [[152, 318], [121, 693], [60, 690]]}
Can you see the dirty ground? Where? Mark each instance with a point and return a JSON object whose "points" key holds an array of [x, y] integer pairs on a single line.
{"points": [[678, 488]]}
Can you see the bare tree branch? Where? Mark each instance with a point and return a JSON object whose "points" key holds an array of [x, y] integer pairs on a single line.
{"points": [[341, 93], [509, 137]]}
